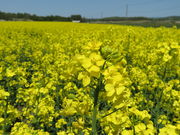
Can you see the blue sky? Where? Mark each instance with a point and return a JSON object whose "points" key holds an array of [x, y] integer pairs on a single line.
{"points": [[94, 8]]}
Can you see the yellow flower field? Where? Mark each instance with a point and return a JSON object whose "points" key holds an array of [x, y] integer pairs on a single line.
{"points": [[88, 79]]}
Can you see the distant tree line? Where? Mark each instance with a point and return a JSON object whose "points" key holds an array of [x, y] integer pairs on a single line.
{"points": [[33, 17]]}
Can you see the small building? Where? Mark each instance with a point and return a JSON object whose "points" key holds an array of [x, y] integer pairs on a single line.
{"points": [[76, 21]]}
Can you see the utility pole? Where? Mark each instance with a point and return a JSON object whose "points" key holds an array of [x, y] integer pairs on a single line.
{"points": [[127, 10], [101, 15]]}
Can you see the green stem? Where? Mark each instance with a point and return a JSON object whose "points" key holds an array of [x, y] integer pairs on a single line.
{"points": [[95, 109], [111, 113], [5, 116], [96, 94], [94, 121]]}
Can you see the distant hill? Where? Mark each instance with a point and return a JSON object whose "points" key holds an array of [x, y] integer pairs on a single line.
{"points": [[139, 18], [175, 18], [116, 18]]}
